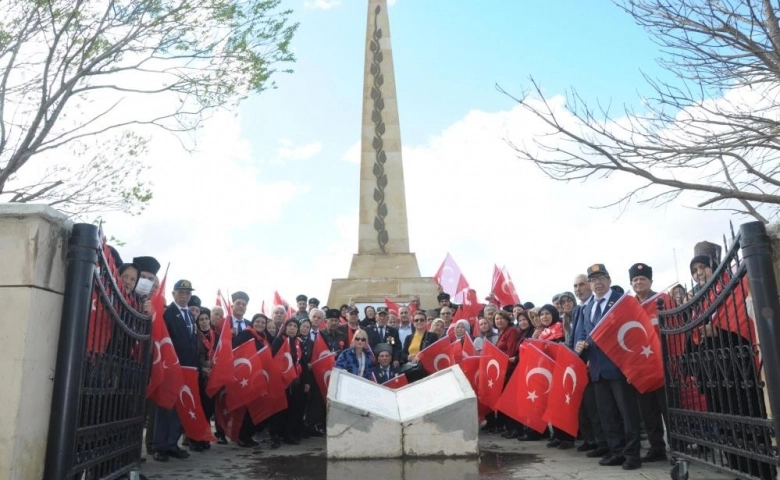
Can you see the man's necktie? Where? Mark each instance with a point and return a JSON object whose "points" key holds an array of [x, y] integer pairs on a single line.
{"points": [[597, 314], [186, 314], [382, 332]]}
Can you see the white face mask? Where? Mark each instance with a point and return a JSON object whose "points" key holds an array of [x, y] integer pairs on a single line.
{"points": [[144, 287]]}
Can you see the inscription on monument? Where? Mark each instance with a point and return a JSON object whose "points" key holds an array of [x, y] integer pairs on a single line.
{"points": [[368, 396], [429, 396]]}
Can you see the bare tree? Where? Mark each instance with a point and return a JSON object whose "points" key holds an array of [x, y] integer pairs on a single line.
{"points": [[72, 73], [713, 129]]}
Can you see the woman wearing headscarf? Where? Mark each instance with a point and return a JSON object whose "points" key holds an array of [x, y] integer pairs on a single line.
{"points": [[288, 424], [358, 359], [311, 391], [437, 327], [461, 331], [206, 344], [553, 332], [369, 317]]}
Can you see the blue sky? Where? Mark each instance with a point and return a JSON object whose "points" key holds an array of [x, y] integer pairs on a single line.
{"points": [[274, 198]]}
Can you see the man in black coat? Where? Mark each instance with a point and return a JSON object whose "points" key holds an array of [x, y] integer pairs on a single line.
{"points": [[181, 330], [385, 370], [382, 333], [334, 337]]}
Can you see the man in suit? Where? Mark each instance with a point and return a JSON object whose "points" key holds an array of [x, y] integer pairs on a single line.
{"points": [[238, 323], [181, 330], [618, 407], [381, 333], [384, 370], [334, 337], [352, 325]]}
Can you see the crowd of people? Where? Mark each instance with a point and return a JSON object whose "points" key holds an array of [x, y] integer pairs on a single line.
{"points": [[380, 344]]}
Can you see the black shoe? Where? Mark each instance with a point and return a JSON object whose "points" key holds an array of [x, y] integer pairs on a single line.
{"points": [[511, 434], [222, 440], [291, 441], [207, 445], [612, 460], [196, 446], [179, 453], [632, 464], [275, 443], [185, 442], [553, 443], [160, 456], [248, 443], [654, 455], [587, 447], [565, 445], [598, 452]]}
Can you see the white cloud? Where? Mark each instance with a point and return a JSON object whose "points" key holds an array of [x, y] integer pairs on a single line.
{"points": [[352, 155], [321, 4], [287, 151]]}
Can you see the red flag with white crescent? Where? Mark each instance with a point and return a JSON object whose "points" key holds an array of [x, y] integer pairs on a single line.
{"points": [[321, 369], [451, 279], [284, 360], [569, 379], [628, 338], [229, 421], [502, 288], [222, 368], [437, 356], [190, 410], [165, 364], [525, 396], [249, 382], [320, 348], [397, 382], [274, 399], [492, 372], [392, 307]]}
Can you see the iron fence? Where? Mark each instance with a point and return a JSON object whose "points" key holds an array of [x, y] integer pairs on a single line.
{"points": [[722, 364], [103, 362]]}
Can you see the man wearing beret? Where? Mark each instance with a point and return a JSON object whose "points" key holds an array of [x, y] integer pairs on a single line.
{"points": [[651, 404], [302, 313], [381, 333], [238, 323], [181, 330], [332, 334], [384, 371], [618, 406]]}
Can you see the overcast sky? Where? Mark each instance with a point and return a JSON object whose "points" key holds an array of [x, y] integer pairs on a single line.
{"points": [[269, 199]]}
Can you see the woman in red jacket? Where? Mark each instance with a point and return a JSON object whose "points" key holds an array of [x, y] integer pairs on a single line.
{"points": [[508, 340]]}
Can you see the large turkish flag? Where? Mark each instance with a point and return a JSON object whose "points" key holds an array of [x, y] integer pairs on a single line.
{"points": [[525, 396], [568, 386]]}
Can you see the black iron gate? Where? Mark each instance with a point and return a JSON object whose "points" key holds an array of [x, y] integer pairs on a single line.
{"points": [[103, 360], [722, 364]]}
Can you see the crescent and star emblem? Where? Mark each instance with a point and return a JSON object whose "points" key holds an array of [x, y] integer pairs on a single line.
{"points": [[438, 358], [186, 389], [621, 337], [538, 371], [326, 378], [492, 363], [289, 362], [167, 341], [569, 372], [241, 361]]}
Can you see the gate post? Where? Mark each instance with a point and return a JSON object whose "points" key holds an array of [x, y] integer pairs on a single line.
{"points": [[81, 260], [757, 254]]}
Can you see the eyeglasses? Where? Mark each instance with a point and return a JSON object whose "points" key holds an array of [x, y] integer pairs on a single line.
{"points": [[358, 339]]}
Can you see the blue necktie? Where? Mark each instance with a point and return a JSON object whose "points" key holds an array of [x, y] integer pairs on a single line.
{"points": [[597, 314], [187, 320]]}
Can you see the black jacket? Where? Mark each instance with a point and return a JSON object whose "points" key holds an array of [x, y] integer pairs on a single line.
{"points": [[390, 337], [182, 338], [428, 338]]}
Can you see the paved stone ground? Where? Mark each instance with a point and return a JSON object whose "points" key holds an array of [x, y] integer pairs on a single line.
{"points": [[500, 458]]}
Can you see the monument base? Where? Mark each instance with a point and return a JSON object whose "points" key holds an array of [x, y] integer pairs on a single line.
{"points": [[374, 277]]}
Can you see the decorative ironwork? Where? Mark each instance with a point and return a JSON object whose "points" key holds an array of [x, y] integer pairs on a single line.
{"points": [[379, 131], [112, 352], [715, 380]]}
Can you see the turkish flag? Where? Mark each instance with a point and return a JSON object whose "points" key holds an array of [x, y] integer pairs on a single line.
{"points": [[320, 348], [502, 288], [159, 332], [492, 372], [470, 368], [274, 399], [731, 314], [222, 302], [397, 382], [627, 337], [279, 301], [451, 279], [283, 359], [222, 368], [392, 307], [166, 370], [321, 369], [229, 421], [436, 356], [249, 381], [675, 344], [547, 347], [568, 387], [190, 410], [525, 396], [463, 350]]}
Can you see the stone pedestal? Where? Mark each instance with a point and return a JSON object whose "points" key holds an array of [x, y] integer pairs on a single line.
{"points": [[433, 417], [33, 245]]}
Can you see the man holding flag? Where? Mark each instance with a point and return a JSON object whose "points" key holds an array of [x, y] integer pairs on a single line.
{"points": [[616, 398]]}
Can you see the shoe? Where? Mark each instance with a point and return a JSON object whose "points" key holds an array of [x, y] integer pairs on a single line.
{"points": [[160, 456], [553, 443], [587, 447], [488, 430], [222, 440], [632, 464], [565, 445], [511, 434], [598, 452], [654, 455], [185, 442], [275, 443], [612, 460], [207, 445], [196, 447], [179, 453], [247, 443], [291, 441]]}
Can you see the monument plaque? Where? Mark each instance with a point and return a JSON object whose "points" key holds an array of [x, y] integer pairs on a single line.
{"points": [[362, 394], [383, 266]]}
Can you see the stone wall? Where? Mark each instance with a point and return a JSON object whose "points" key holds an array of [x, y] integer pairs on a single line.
{"points": [[33, 246]]}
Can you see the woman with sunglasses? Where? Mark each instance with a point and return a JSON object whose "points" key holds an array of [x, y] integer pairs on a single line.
{"points": [[418, 340], [358, 359]]}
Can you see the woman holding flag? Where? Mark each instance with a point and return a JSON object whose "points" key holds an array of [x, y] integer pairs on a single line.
{"points": [[553, 332], [256, 334], [287, 425], [205, 346]]}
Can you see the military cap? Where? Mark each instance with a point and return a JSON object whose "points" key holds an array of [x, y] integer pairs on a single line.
{"points": [[240, 296], [640, 270], [183, 285], [597, 269]]}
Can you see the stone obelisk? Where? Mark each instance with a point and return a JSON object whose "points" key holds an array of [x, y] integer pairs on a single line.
{"points": [[383, 266]]}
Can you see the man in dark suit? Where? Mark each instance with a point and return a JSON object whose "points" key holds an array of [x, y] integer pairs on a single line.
{"points": [[238, 323], [181, 330], [616, 398], [382, 333], [334, 337], [384, 371]]}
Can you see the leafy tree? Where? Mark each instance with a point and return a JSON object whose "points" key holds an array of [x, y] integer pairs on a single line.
{"points": [[712, 129], [73, 74]]}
